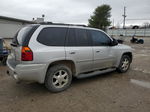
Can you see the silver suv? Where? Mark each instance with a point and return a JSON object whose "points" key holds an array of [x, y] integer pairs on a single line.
{"points": [[53, 54]]}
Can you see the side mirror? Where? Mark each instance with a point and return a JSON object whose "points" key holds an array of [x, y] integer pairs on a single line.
{"points": [[114, 42]]}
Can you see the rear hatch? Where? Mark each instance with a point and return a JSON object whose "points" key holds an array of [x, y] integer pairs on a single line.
{"points": [[21, 39]]}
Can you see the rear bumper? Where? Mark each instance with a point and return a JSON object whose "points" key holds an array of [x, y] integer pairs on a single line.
{"points": [[27, 72]]}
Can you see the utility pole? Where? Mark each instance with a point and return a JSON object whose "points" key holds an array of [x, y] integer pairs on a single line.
{"points": [[113, 23], [43, 16], [124, 18]]}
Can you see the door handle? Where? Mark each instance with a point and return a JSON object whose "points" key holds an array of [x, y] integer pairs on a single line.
{"points": [[72, 52], [97, 51]]}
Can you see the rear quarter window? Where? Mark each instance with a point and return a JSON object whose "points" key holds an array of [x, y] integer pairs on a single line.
{"points": [[52, 36]]}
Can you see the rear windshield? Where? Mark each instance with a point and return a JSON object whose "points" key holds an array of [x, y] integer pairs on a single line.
{"points": [[23, 36], [52, 36]]}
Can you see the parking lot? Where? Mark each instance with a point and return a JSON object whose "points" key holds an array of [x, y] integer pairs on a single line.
{"points": [[111, 92]]}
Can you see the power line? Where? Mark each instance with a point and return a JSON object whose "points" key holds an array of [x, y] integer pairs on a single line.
{"points": [[139, 19]]}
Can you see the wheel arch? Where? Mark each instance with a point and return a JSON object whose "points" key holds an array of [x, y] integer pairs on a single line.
{"points": [[128, 54], [68, 63], [120, 56]]}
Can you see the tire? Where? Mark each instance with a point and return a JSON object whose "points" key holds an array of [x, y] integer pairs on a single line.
{"points": [[124, 64], [58, 78]]}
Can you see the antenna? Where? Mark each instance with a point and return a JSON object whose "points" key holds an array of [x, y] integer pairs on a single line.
{"points": [[124, 18]]}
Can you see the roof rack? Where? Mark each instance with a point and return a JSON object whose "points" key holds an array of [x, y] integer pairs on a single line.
{"points": [[51, 23]]}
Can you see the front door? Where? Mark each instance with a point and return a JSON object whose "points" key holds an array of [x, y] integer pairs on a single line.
{"points": [[103, 56]]}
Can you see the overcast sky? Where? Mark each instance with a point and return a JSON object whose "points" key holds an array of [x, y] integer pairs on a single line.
{"points": [[74, 11]]}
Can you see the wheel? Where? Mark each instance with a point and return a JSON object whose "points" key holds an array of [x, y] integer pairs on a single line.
{"points": [[58, 78], [124, 64]]}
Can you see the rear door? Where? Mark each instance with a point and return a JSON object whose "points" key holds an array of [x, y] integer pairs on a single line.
{"points": [[78, 48], [103, 55]]}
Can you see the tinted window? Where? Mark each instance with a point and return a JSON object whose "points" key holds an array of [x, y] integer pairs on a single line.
{"points": [[71, 37], [52, 36], [81, 37], [99, 38]]}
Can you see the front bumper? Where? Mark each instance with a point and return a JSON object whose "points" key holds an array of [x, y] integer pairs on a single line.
{"points": [[26, 72]]}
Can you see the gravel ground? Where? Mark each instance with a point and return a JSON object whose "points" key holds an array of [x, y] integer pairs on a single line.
{"points": [[111, 92]]}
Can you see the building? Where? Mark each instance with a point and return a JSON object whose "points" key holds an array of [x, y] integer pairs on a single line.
{"points": [[9, 26]]}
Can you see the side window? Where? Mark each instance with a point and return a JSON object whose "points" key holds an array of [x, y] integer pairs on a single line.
{"points": [[52, 36], [71, 37], [82, 37], [99, 38]]}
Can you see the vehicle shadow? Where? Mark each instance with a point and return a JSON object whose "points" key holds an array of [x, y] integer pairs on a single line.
{"points": [[77, 81], [36, 88]]}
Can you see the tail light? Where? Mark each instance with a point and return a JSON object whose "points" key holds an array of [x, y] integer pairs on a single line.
{"points": [[26, 54]]}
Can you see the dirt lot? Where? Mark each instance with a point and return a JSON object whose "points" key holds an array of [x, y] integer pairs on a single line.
{"points": [[111, 92]]}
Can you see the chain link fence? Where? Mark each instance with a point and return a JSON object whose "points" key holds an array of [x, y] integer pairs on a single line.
{"points": [[129, 32]]}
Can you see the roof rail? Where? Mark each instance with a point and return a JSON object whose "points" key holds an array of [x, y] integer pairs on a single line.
{"points": [[51, 23]]}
